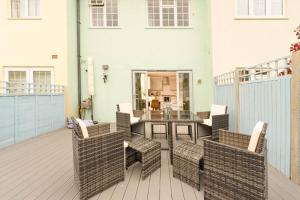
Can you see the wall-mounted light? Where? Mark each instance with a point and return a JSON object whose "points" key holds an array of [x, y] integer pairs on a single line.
{"points": [[105, 74]]}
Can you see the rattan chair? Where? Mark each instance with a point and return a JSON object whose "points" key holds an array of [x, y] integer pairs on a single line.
{"points": [[233, 172], [216, 122], [139, 148], [98, 159]]}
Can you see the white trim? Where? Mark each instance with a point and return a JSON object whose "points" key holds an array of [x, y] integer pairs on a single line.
{"points": [[268, 15]]}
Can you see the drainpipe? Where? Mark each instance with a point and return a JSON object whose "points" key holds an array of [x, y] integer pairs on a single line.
{"points": [[78, 54]]}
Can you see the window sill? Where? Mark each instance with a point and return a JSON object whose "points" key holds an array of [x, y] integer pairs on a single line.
{"points": [[117, 27], [261, 18], [24, 18], [160, 27]]}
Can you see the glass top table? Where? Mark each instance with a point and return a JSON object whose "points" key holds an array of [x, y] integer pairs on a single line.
{"points": [[174, 117]]}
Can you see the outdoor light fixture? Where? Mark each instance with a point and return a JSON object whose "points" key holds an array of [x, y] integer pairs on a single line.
{"points": [[105, 74]]}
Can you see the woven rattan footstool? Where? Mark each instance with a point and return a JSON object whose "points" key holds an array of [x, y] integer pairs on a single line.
{"points": [[147, 152], [188, 162]]}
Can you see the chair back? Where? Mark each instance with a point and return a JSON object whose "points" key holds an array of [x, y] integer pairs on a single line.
{"points": [[125, 108]]}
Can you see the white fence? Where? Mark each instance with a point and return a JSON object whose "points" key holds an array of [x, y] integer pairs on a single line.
{"points": [[23, 88], [261, 92]]}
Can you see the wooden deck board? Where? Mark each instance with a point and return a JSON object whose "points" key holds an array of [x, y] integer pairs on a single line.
{"points": [[42, 168]]}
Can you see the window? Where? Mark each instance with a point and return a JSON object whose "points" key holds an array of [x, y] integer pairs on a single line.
{"points": [[25, 8], [29, 75], [260, 8], [104, 15], [19, 77], [168, 13]]}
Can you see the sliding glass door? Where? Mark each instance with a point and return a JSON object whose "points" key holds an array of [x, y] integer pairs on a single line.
{"points": [[140, 90], [184, 90]]}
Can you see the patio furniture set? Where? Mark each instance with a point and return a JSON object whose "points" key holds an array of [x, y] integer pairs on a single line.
{"points": [[234, 165]]}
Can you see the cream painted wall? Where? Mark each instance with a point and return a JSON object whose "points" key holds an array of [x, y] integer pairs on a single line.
{"points": [[32, 42], [243, 43]]}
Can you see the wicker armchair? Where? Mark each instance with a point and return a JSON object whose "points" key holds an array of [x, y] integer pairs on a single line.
{"points": [[217, 122], [233, 172], [98, 160], [123, 123]]}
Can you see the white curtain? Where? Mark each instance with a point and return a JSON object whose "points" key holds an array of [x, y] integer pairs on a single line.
{"points": [[33, 8], [259, 7]]}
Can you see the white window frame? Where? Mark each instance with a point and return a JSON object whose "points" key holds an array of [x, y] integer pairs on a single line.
{"points": [[104, 18], [268, 9], [29, 72], [161, 18], [25, 11]]}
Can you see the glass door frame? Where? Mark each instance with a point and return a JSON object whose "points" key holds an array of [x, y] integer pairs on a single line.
{"points": [[190, 72], [134, 72]]}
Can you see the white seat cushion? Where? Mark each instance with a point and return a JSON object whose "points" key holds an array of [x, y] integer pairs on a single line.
{"points": [[127, 108], [134, 120], [217, 110], [255, 136], [207, 122], [83, 128]]}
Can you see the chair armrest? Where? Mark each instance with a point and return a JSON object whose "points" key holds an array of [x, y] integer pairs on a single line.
{"points": [[233, 139], [203, 115], [98, 129], [230, 151], [220, 122]]}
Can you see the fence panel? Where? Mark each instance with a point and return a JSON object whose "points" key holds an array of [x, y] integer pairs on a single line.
{"points": [[27, 116], [225, 95], [270, 101]]}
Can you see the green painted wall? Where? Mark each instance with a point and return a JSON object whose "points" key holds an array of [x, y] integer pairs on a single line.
{"points": [[71, 89], [133, 46]]}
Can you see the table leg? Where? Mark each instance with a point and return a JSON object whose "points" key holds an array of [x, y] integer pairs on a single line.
{"points": [[170, 141]]}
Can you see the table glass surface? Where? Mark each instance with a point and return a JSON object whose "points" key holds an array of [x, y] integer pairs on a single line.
{"points": [[174, 116]]}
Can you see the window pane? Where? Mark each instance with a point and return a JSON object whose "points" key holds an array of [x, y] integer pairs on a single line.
{"points": [[168, 2], [33, 8], [276, 7], [41, 80], [183, 13], [153, 13], [259, 7], [15, 8], [242, 8], [111, 12], [17, 76], [97, 16], [42, 77]]}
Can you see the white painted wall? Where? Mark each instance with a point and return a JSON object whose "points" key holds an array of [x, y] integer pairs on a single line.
{"points": [[243, 43]]}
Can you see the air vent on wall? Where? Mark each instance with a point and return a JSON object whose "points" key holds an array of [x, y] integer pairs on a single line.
{"points": [[96, 3]]}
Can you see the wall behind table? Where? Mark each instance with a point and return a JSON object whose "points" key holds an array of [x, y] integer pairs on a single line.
{"points": [[23, 117]]}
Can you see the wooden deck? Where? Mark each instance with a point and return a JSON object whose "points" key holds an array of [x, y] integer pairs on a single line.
{"points": [[42, 168]]}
